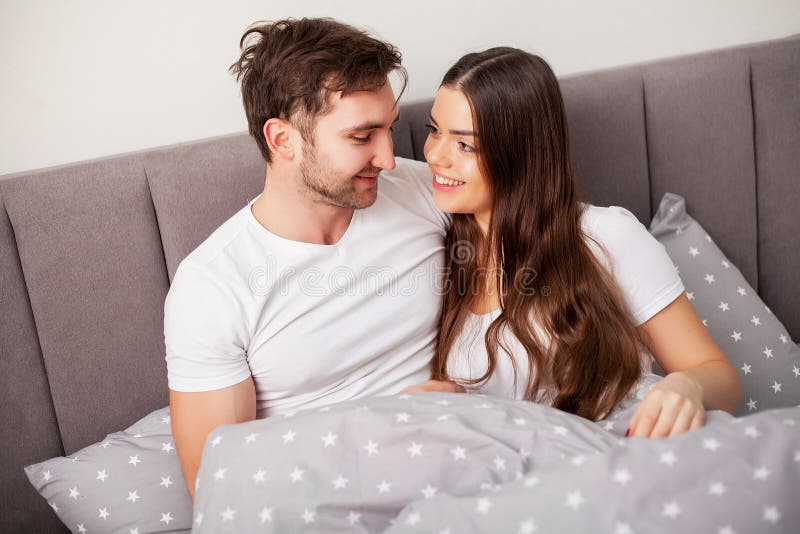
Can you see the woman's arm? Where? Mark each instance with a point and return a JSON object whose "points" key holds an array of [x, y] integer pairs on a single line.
{"points": [[700, 376]]}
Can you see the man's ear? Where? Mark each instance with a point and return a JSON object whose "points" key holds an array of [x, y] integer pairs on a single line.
{"points": [[280, 137]]}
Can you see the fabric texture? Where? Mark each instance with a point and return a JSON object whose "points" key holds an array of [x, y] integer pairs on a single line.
{"points": [[430, 462], [130, 482], [313, 324], [755, 341]]}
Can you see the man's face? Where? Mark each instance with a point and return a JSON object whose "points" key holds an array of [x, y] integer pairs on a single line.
{"points": [[351, 145]]}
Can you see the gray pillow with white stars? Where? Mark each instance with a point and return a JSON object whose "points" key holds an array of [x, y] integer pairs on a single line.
{"points": [[755, 341], [131, 482]]}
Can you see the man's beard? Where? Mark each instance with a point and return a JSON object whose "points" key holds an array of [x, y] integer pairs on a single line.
{"points": [[326, 186]]}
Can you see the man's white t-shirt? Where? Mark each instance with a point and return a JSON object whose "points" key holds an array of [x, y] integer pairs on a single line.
{"points": [[641, 267], [313, 324]]}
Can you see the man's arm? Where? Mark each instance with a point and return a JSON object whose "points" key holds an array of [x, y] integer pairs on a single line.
{"points": [[195, 415]]}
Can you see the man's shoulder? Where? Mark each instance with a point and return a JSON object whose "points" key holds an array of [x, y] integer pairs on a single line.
{"points": [[410, 186], [220, 240]]}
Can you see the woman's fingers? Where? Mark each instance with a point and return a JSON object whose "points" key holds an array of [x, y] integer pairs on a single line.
{"points": [[646, 417], [698, 420], [684, 420]]}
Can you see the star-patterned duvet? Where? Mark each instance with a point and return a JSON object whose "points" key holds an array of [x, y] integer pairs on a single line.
{"points": [[455, 463]]}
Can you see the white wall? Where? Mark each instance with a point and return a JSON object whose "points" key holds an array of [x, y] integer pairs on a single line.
{"points": [[85, 79]]}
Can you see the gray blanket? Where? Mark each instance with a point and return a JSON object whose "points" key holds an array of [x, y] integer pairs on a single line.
{"points": [[457, 463]]}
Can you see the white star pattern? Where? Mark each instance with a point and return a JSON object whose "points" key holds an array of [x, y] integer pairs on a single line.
{"points": [[741, 291], [711, 444], [265, 515], [756, 321], [289, 437], [724, 306], [250, 438], [608, 425], [483, 505], [132, 496], [371, 447], [767, 352], [560, 430], [166, 481], [428, 491], [796, 371], [308, 516], [340, 482], [752, 432], [73, 492], [668, 458], [296, 475], [693, 251], [219, 474], [527, 527], [103, 513], [228, 514], [717, 488], [330, 439], [258, 476], [709, 278], [415, 449], [216, 441], [459, 453], [690, 295], [101, 475], [575, 500], [776, 387], [519, 421], [134, 460], [167, 447], [413, 518], [384, 487], [402, 417], [671, 510], [761, 473], [752, 404], [353, 518], [771, 514], [746, 368], [622, 476], [166, 419], [54, 506], [499, 463], [783, 339], [737, 336], [82, 529], [622, 528]]}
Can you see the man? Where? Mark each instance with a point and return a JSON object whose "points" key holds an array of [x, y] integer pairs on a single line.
{"points": [[325, 287]]}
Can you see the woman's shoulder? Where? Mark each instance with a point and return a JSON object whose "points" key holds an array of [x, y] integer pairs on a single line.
{"points": [[610, 221]]}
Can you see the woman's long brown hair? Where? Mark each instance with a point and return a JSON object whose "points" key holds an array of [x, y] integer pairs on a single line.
{"points": [[589, 358]]}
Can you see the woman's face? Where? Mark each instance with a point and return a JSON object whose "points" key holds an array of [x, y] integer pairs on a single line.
{"points": [[452, 153]]}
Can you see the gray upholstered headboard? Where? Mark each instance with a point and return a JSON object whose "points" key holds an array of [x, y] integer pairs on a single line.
{"points": [[87, 250]]}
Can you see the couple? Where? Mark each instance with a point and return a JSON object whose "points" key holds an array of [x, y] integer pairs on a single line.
{"points": [[546, 298]]}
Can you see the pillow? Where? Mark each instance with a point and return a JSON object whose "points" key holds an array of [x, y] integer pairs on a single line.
{"points": [[755, 341], [131, 482]]}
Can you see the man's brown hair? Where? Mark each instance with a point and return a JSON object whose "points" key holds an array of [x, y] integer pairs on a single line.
{"points": [[288, 68]]}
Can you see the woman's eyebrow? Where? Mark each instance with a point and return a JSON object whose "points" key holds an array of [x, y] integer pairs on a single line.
{"points": [[470, 133]]}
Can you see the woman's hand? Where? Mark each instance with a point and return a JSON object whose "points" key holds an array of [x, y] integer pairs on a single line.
{"points": [[444, 386], [673, 406]]}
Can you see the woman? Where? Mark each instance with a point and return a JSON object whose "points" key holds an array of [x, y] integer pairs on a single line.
{"points": [[551, 299]]}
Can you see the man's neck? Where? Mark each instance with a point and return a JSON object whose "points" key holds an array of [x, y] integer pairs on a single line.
{"points": [[288, 213]]}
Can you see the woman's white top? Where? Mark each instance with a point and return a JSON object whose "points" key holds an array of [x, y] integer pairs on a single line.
{"points": [[641, 267]]}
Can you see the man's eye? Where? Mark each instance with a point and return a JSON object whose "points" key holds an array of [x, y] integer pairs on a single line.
{"points": [[358, 139]]}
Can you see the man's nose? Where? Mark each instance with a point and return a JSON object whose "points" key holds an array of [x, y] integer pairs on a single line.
{"points": [[384, 157]]}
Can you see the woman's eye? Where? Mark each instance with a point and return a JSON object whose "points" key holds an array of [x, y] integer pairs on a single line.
{"points": [[464, 147]]}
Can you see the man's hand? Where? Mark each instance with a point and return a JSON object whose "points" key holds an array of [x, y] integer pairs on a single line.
{"points": [[443, 386], [195, 415], [673, 406]]}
